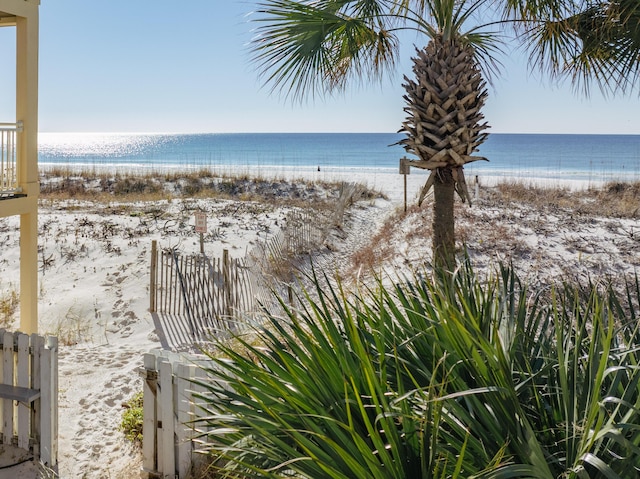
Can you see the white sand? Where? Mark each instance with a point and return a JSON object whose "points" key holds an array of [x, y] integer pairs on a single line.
{"points": [[94, 288]]}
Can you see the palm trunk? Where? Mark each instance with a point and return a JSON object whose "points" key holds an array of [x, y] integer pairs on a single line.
{"points": [[443, 219]]}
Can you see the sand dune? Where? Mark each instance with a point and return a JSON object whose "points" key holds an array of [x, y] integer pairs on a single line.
{"points": [[94, 291]]}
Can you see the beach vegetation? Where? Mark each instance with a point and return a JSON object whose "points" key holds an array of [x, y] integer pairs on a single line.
{"points": [[432, 375], [571, 219], [132, 418], [9, 302], [89, 184], [610, 200], [304, 48], [74, 328]]}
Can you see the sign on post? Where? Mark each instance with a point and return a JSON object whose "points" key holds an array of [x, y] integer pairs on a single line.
{"points": [[201, 227], [201, 222]]}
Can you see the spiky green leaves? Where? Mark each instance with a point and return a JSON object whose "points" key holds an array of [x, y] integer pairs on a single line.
{"points": [[600, 43], [308, 47], [441, 376]]}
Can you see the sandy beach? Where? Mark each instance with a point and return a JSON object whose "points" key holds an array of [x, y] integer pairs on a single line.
{"points": [[94, 275]]}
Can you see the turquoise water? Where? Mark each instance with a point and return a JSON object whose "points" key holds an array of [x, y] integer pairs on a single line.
{"points": [[592, 157]]}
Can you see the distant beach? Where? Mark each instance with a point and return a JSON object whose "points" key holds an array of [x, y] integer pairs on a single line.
{"points": [[582, 158]]}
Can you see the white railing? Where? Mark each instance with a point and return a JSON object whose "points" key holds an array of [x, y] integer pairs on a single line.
{"points": [[29, 394], [8, 155]]}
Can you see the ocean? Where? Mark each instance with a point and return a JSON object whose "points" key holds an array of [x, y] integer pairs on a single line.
{"points": [[581, 157]]}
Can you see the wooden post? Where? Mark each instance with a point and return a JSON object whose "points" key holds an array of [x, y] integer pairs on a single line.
{"points": [[477, 188], [405, 169], [184, 416], [150, 416], [166, 438], [23, 380], [7, 378], [49, 403], [227, 282], [153, 276], [27, 39], [405, 193]]}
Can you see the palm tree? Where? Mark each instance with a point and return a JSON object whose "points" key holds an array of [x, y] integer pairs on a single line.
{"points": [[444, 120], [309, 47]]}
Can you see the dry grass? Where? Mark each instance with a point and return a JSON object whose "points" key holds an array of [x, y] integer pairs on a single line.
{"points": [[74, 328], [9, 301], [616, 199], [64, 183], [542, 229], [380, 249]]}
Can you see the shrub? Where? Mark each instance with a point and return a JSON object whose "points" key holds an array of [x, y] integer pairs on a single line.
{"points": [[132, 418], [437, 376]]}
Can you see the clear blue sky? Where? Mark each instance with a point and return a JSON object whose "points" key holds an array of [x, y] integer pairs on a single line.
{"points": [[168, 66]]}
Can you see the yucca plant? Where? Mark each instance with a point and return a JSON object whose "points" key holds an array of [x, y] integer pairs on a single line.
{"points": [[433, 377], [561, 367]]}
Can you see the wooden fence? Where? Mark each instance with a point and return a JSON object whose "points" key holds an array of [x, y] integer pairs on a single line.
{"points": [[208, 291], [170, 442], [197, 295], [29, 394]]}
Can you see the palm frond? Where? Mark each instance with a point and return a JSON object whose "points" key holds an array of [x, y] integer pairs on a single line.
{"points": [[598, 44], [302, 48]]}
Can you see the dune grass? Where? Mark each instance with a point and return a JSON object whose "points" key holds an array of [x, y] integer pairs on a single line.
{"points": [[95, 185], [491, 224], [9, 302], [613, 199]]}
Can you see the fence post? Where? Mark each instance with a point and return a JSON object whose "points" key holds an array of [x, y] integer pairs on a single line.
{"points": [[226, 272], [7, 376], [150, 415], [23, 380], [37, 347], [166, 447], [182, 403], [153, 276], [49, 402]]}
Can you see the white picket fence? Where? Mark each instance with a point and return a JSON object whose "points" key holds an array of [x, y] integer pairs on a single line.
{"points": [[169, 444], [29, 394]]}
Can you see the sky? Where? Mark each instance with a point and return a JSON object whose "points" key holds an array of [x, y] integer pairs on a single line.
{"points": [[167, 66]]}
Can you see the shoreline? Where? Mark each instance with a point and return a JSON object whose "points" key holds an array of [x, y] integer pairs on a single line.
{"points": [[266, 170]]}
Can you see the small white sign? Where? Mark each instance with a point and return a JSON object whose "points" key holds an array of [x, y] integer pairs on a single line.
{"points": [[201, 222]]}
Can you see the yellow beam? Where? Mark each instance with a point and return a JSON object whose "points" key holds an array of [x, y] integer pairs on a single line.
{"points": [[27, 161], [29, 273], [19, 8], [16, 206], [8, 22]]}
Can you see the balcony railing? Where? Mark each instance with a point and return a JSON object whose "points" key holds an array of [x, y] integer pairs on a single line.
{"points": [[8, 166]]}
